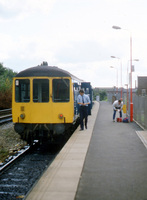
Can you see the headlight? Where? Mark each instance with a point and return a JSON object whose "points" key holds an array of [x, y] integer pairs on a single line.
{"points": [[22, 116]]}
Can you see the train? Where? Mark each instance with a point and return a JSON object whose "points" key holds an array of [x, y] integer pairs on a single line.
{"points": [[44, 102]]}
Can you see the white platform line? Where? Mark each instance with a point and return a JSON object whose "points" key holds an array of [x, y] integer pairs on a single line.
{"points": [[141, 136]]}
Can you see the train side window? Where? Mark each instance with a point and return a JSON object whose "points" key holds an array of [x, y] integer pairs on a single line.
{"points": [[40, 90], [22, 90], [60, 90]]}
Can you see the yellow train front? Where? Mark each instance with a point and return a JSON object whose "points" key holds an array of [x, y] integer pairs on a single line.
{"points": [[43, 102]]}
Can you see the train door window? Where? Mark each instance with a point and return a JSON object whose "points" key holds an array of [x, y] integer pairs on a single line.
{"points": [[60, 90], [22, 90], [40, 90]]}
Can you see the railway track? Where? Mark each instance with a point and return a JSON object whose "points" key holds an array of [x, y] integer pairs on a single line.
{"points": [[5, 116], [18, 179], [11, 159]]}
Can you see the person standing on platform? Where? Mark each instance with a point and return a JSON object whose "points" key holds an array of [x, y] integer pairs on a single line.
{"points": [[117, 106], [83, 101]]}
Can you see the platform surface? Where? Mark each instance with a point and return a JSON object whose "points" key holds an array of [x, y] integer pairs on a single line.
{"points": [[116, 163]]}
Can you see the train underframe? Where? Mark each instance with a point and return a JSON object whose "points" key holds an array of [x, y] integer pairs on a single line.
{"points": [[51, 133]]}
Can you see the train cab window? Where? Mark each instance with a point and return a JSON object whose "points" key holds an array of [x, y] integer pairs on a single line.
{"points": [[40, 90], [22, 90], [60, 90]]}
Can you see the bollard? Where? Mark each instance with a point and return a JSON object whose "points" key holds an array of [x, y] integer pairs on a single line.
{"points": [[131, 112]]}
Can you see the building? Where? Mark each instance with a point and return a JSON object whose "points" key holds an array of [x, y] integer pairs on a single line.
{"points": [[142, 85]]}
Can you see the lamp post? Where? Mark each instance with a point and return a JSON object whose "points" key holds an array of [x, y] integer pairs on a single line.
{"points": [[121, 71], [127, 97], [131, 102], [132, 69]]}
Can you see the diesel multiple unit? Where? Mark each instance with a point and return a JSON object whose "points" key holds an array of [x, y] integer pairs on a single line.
{"points": [[44, 101]]}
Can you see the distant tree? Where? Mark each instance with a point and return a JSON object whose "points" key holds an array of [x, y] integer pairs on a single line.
{"points": [[2, 69], [6, 76], [101, 93]]}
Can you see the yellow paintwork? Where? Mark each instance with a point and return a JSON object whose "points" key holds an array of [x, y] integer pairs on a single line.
{"points": [[43, 112], [124, 108]]}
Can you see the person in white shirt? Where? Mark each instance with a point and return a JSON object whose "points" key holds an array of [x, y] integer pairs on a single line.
{"points": [[117, 106], [83, 101]]}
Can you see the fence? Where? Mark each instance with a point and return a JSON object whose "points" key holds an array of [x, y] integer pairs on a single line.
{"points": [[139, 105], [140, 110]]}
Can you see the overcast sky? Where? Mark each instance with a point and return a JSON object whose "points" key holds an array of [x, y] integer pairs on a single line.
{"points": [[76, 35]]}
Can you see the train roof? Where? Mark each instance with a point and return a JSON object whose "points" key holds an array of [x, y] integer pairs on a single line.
{"points": [[45, 70]]}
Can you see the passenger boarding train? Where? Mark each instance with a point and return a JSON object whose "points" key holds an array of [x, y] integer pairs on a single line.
{"points": [[44, 102]]}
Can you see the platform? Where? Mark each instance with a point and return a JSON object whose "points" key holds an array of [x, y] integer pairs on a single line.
{"points": [[112, 167]]}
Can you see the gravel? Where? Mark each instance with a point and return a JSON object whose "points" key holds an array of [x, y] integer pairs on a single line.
{"points": [[10, 141]]}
